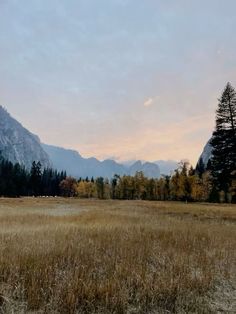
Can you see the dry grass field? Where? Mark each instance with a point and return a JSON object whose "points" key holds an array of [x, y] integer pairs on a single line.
{"points": [[87, 256]]}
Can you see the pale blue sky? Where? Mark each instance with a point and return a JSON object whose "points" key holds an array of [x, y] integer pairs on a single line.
{"points": [[129, 79]]}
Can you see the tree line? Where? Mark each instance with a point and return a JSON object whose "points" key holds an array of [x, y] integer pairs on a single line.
{"points": [[186, 184], [16, 181]]}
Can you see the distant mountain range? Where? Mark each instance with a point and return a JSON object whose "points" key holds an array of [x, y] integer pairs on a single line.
{"points": [[17, 144], [76, 165], [167, 167]]}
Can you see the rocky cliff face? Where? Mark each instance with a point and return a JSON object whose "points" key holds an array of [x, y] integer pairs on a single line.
{"points": [[206, 154], [19, 145]]}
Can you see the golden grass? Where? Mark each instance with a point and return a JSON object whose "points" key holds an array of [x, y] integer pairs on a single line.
{"points": [[87, 256]]}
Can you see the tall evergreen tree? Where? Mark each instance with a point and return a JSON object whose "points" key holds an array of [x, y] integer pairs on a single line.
{"points": [[35, 178], [223, 161]]}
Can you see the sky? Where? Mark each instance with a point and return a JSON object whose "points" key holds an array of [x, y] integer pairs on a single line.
{"points": [[122, 79]]}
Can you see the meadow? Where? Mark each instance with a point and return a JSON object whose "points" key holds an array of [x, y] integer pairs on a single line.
{"points": [[88, 256]]}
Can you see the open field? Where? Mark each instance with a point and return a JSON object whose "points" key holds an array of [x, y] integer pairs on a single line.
{"points": [[87, 256]]}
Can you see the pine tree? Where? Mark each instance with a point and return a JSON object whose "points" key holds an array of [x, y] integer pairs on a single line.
{"points": [[223, 161], [35, 178], [200, 169], [114, 181]]}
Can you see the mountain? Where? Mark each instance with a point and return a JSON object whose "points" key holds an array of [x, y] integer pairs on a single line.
{"points": [[167, 167], [206, 154], [77, 166], [150, 170], [19, 145]]}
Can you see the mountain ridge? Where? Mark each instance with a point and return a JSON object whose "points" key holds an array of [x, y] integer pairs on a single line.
{"points": [[71, 161], [19, 145]]}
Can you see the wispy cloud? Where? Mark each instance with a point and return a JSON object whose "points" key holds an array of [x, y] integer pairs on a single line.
{"points": [[149, 102]]}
